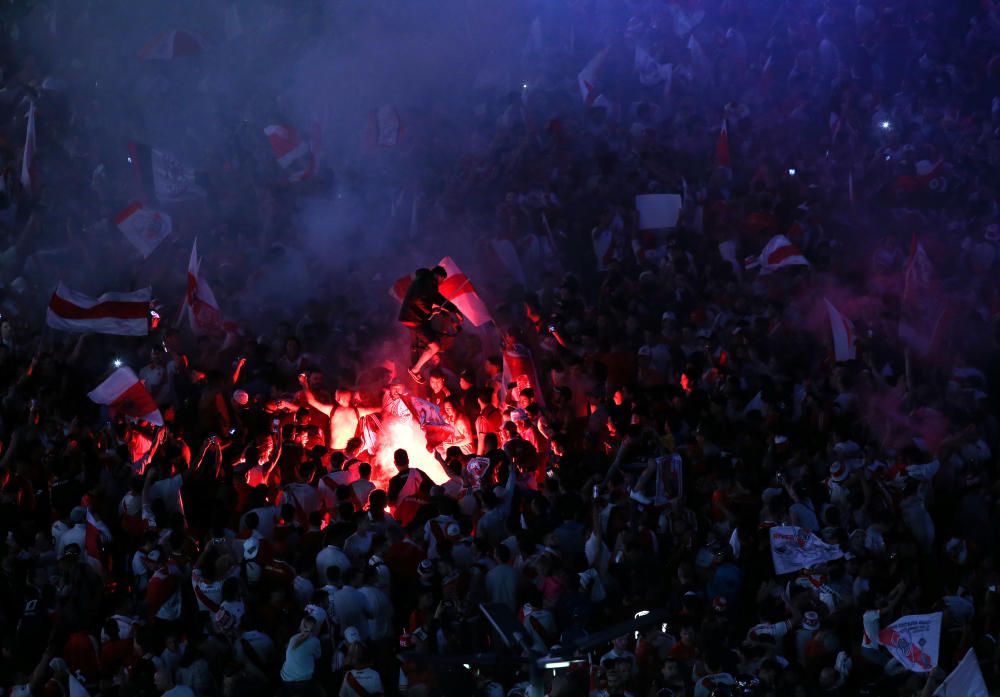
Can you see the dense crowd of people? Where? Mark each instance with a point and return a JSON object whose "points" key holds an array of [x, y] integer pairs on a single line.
{"points": [[290, 530]]}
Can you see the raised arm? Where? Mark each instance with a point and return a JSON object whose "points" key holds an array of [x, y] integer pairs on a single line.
{"points": [[275, 457], [158, 437], [239, 367], [311, 398]]}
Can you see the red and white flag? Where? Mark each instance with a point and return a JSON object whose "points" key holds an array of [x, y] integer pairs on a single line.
{"points": [[76, 688], [294, 154], [924, 316], [778, 253], [175, 43], [834, 124], [966, 679], [650, 72], [722, 158], [202, 307], [919, 274], [699, 60], [519, 363], [456, 287], [843, 334], [400, 286], [29, 180], [385, 128], [124, 314], [432, 422], [460, 291], [928, 177], [608, 246], [125, 394], [914, 641], [587, 79], [766, 81], [97, 537], [144, 227]]}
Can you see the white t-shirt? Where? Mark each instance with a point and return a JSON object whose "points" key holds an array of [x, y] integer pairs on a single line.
{"points": [[208, 594], [266, 516], [300, 660], [179, 691], [254, 476], [331, 556], [591, 549], [303, 589], [380, 612], [261, 643], [139, 570], [367, 678], [154, 377], [169, 490], [349, 606], [76, 535]]}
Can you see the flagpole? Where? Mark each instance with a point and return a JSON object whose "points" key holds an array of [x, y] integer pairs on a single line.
{"points": [[909, 372], [180, 314]]}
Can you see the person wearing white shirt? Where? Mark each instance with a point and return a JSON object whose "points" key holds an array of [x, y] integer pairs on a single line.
{"points": [[331, 555], [362, 681], [350, 605], [358, 545], [492, 525], [303, 498], [168, 489], [75, 535], [501, 580], [255, 649], [378, 607], [301, 654], [262, 520]]}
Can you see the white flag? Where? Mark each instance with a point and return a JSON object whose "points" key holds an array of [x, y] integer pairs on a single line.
{"points": [[587, 79], [144, 227], [125, 393], [843, 334], [459, 290], [914, 640], [123, 314], [200, 303], [28, 179], [794, 548], [779, 253], [76, 688], [965, 681], [650, 72]]}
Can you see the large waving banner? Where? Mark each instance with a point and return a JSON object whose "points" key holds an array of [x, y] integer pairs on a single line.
{"points": [[794, 548], [914, 640]]}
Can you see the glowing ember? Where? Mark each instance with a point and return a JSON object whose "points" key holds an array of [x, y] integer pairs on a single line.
{"points": [[408, 436]]}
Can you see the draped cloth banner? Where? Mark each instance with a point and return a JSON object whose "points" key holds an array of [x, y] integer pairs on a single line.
{"points": [[794, 548], [914, 641]]}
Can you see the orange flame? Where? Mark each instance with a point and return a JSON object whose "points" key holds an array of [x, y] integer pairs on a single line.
{"points": [[408, 436]]}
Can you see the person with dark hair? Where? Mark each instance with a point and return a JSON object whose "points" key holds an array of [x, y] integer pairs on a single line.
{"points": [[421, 304], [490, 419]]}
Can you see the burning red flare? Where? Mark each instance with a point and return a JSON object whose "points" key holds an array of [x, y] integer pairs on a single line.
{"points": [[408, 436]]}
